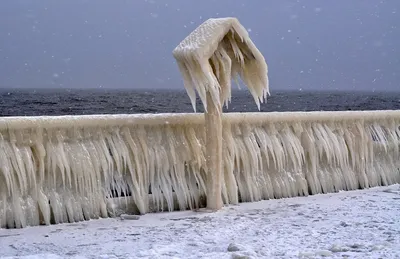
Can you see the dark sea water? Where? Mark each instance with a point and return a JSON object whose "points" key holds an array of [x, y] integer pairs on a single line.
{"points": [[23, 102]]}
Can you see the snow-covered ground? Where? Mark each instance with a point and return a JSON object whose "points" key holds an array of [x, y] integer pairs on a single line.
{"points": [[356, 224]]}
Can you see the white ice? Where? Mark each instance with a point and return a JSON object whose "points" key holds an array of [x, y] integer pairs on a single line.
{"points": [[356, 224]]}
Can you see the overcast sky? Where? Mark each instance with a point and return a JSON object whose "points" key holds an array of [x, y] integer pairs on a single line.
{"points": [[308, 44]]}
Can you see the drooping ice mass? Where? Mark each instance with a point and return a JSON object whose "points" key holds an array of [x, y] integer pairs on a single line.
{"points": [[216, 52], [69, 168]]}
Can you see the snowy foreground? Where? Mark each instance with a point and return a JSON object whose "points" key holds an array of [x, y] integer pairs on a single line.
{"points": [[356, 224]]}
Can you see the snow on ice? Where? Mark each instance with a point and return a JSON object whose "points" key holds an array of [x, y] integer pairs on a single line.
{"points": [[354, 224]]}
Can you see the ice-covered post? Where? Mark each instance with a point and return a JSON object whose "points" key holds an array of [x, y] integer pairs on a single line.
{"points": [[211, 56]]}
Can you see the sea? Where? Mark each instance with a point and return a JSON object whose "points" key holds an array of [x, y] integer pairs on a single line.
{"points": [[50, 102]]}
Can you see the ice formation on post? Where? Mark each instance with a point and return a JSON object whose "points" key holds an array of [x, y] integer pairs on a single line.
{"points": [[216, 52]]}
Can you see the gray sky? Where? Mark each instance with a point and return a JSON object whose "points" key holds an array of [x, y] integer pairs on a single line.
{"points": [[308, 44]]}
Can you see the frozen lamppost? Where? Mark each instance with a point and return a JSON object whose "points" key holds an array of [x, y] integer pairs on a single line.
{"points": [[216, 52]]}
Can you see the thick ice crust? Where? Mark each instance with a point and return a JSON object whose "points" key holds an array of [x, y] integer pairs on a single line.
{"points": [[65, 169]]}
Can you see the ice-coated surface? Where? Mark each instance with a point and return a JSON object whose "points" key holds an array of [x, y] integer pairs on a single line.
{"points": [[357, 224], [216, 52], [66, 174]]}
